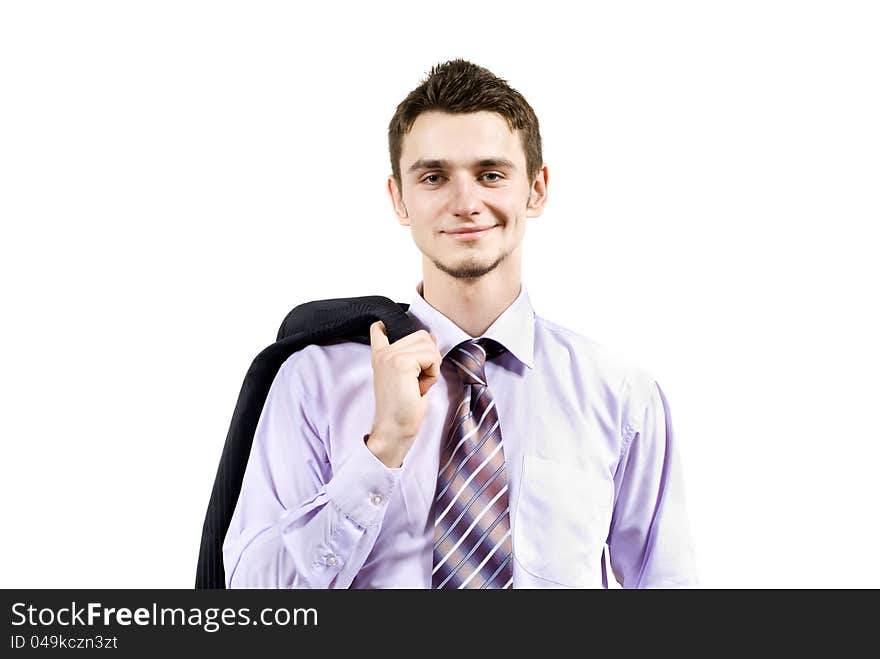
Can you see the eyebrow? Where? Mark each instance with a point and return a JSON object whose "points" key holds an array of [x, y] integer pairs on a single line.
{"points": [[423, 164]]}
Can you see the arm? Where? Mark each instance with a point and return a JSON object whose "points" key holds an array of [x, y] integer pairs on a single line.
{"points": [[297, 524], [650, 542]]}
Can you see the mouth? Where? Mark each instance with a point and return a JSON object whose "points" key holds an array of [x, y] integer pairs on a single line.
{"points": [[470, 234]]}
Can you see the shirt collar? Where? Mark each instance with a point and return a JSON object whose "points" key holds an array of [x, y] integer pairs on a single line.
{"points": [[514, 328]]}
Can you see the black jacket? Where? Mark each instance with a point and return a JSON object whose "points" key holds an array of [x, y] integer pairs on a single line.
{"points": [[311, 322]]}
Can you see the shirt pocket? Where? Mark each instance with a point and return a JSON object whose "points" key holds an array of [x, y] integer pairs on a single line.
{"points": [[562, 519]]}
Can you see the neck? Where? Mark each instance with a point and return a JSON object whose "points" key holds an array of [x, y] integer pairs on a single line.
{"points": [[475, 303]]}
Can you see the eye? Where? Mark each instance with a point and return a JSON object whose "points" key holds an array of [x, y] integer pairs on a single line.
{"points": [[430, 176], [495, 174]]}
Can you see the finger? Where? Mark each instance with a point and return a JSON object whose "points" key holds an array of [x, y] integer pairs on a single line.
{"points": [[430, 374], [419, 338], [429, 362], [426, 382]]}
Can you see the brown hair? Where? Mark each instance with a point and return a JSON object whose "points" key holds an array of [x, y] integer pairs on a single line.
{"points": [[458, 86]]}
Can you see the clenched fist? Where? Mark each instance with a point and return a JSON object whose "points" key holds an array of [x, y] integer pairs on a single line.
{"points": [[402, 375]]}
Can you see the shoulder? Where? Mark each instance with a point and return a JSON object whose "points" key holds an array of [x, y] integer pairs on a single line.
{"points": [[606, 362], [623, 383], [324, 355], [316, 367]]}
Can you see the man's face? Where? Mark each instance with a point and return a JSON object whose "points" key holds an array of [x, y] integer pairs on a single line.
{"points": [[465, 171]]}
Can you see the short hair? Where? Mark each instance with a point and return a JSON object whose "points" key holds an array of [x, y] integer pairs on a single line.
{"points": [[458, 87]]}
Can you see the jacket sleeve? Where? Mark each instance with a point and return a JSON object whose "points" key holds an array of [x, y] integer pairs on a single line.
{"points": [[297, 524], [650, 543]]}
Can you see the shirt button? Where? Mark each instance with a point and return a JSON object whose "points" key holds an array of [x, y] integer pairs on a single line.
{"points": [[331, 561], [376, 499]]}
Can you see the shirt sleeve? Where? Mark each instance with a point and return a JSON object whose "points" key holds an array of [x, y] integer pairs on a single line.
{"points": [[650, 543], [297, 524]]}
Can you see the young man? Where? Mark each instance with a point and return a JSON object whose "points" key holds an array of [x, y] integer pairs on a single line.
{"points": [[489, 449]]}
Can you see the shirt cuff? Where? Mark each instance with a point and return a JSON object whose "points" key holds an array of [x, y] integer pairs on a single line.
{"points": [[362, 486]]}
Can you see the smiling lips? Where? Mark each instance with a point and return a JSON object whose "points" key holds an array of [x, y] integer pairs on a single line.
{"points": [[474, 233]]}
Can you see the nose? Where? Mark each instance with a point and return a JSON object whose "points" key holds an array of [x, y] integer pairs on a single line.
{"points": [[464, 198]]}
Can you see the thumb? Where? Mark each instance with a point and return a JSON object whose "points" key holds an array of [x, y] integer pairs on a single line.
{"points": [[378, 336]]}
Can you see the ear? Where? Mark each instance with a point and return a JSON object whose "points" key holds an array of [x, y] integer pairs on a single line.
{"points": [[538, 193], [397, 202]]}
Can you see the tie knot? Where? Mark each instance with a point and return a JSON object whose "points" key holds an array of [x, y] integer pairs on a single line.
{"points": [[469, 357]]}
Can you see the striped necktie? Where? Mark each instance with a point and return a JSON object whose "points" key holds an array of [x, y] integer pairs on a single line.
{"points": [[472, 545]]}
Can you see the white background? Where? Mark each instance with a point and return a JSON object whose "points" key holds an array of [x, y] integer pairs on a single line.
{"points": [[175, 176]]}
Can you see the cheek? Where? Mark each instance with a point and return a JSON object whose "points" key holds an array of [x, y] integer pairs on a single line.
{"points": [[508, 202], [510, 214]]}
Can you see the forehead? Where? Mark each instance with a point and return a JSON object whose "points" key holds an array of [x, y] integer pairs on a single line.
{"points": [[460, 137]]}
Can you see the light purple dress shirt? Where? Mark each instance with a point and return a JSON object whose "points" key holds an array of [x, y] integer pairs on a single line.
{"points": [[588, 446]]}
